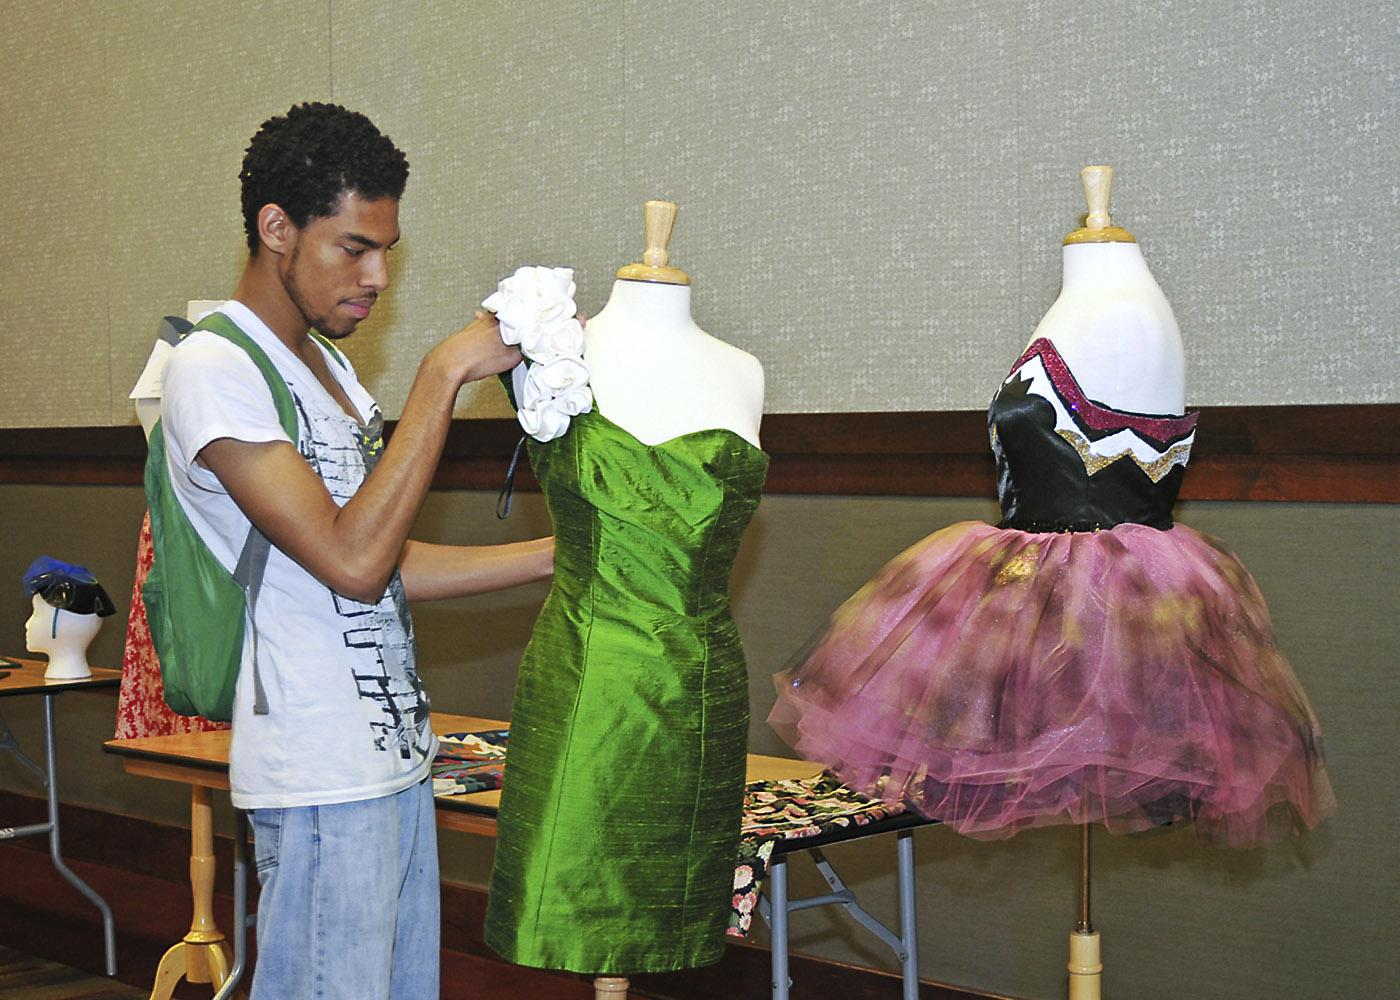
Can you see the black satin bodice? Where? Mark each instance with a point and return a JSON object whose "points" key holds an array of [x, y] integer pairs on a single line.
{"points": [[1066, 463]]}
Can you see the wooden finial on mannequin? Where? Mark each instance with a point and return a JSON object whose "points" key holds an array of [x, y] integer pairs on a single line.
{"points": [[1098, 224], [659, 218]]}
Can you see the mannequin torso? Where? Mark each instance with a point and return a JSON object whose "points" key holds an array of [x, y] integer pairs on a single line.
{"points": [[148, 412], [1115, 330], [658, 376], [146, 394]]}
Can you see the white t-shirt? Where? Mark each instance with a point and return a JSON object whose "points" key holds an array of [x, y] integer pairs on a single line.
{"points": [[347, 717]]}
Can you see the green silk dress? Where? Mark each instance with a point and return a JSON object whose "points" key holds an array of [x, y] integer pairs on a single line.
{"points": [[620, 811]]}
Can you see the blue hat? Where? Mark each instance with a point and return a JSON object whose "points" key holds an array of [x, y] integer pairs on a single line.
{"points": [[68, 587]]}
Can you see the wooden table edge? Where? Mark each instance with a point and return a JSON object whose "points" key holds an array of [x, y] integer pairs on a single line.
{"points": [[464, 813]]}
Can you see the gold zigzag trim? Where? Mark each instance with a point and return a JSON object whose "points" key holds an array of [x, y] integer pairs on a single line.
{"points": [[1155, 470]]}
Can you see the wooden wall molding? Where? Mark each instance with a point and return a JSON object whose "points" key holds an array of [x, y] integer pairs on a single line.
{"points": [[1344, 453]]}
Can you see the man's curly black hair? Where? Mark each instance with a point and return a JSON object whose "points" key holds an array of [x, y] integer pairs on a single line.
{"points": [[306, 159]]}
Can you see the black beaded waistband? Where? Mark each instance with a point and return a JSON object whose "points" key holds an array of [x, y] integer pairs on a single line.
{"points": [[1070, 527]]}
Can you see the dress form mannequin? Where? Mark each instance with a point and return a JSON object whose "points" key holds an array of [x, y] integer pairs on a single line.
{"points": [[1111, 323], [658, 377], [64, 636], [653, 371], [1002, 677], [1116, 332]]}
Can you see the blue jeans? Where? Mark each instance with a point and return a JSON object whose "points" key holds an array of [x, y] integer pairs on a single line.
{"points": [[350, 900]]}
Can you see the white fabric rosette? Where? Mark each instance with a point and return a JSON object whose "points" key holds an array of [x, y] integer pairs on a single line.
{"points": [[548, 395], [535, 308]]}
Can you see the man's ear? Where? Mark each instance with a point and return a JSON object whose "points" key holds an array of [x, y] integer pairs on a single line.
{"points": [[276, 231]]}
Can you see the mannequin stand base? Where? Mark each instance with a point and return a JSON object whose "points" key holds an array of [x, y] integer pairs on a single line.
{"points": [[196, 961], [1085, 968], [203, 956], [610, 988]]}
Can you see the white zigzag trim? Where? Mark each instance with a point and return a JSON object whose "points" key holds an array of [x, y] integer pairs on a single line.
{"points": [[1097, 455]]}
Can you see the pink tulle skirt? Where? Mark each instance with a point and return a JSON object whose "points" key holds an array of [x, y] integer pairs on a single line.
{"points": [[997, 679]]}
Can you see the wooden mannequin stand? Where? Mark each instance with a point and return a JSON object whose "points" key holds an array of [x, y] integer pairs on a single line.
{"points": [[204, 955], [1085, 967], [610, 988]]}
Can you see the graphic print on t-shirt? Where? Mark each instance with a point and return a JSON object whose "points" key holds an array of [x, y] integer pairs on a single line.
{"points": [[379, 636], [389, 680]]}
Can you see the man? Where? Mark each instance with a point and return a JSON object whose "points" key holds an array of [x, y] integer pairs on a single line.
{"points": [[333, 761]]}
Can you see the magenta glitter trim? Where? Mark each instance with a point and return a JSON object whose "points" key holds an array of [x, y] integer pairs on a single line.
{"points": [[1097, 416]]}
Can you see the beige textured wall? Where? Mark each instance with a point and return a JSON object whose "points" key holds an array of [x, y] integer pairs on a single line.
{"points": [[1313, 920], [872, 193], [873, 196]]}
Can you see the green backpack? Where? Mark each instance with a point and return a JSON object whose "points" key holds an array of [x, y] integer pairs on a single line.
{"points": [[195, 608]]}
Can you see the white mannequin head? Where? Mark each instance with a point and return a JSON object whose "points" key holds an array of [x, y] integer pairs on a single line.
{"points": [[64, 636], [69, 605]]}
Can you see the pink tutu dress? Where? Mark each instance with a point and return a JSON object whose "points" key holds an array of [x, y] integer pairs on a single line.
{"points": [[1085, 661]]}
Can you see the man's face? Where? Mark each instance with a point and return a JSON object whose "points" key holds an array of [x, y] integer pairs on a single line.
{"points": [[339, 263]]}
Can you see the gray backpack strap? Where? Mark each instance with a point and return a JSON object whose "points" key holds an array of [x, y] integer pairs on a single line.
{"points": [[248, 574]]}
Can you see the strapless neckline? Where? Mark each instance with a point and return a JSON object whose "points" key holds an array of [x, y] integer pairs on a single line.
{"points": [[1099, 416], [677, 438]]}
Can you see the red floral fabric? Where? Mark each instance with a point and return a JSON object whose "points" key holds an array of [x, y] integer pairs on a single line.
{"points": [[141, 707]]}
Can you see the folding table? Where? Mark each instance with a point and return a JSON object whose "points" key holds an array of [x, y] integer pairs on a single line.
{"points": [[201, 761], [22, 677]]}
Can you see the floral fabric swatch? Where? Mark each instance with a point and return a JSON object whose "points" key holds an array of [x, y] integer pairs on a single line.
{"points": [[470, 762], [793, 809]]}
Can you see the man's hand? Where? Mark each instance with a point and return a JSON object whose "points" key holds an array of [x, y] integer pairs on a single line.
{"points": [[474, 352]]}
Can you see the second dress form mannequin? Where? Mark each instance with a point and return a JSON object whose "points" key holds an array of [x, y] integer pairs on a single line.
{"points": [[1087, 660], [1111, 323], [1115, 331]]}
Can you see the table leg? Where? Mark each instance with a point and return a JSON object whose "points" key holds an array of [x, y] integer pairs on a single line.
{"points": [[109, 931], [778, 895], [8, 742], [610, 988], [240, 906], [203, 955], [908, 924]]}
